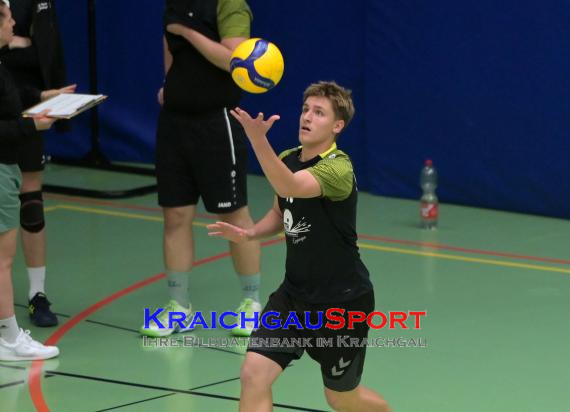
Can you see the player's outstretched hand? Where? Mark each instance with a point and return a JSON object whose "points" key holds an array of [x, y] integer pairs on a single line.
{"points": [[255, 128], [229, 232]]}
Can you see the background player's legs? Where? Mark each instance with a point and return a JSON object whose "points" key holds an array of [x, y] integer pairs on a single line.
{"points": [[15, 344], [7, 253], [33, 244], [178, 249], [34, 247], [245, 258], [178, 241], [360, 399], [257, 376]]}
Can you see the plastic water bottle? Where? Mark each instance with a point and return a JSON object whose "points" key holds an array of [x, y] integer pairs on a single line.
{"points": [[429, 210]]}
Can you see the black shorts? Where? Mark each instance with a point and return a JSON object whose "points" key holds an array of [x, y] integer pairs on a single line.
{"points": [[31, 156], [341, 363], [201, 156]]}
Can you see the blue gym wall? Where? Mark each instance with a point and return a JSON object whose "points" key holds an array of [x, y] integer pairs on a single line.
{"points": [[481, 87]]}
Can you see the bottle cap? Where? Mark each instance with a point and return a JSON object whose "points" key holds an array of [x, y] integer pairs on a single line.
{"points": [[429, 162]]}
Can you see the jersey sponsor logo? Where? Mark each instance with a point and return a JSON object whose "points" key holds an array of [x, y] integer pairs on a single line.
{"points": [[44, 5], [295, 229], [222, 205]]}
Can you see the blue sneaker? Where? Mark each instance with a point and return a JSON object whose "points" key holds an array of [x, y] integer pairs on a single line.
{"points": [[40, 314]]}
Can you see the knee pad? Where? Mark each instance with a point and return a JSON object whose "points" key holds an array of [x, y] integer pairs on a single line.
{"points": [[32, 211]]}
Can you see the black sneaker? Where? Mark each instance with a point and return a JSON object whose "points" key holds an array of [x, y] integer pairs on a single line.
{"points": [[40, 315]]}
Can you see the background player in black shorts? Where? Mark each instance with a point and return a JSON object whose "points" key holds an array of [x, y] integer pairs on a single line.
{"points": [[201, 151], [35, 59], [316, 205]]}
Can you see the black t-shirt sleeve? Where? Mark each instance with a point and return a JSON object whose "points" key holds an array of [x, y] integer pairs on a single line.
{"points": [[16, 130], [26, 58], [29, 95], [13, 128]]}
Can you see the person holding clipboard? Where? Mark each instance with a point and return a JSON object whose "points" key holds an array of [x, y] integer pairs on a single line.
{"points": [[34, 57], [15, 343]]}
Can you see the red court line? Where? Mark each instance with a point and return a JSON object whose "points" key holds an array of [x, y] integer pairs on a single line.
{"points": [[36, 369], [35, 375], [362, 236], [464, 250]]}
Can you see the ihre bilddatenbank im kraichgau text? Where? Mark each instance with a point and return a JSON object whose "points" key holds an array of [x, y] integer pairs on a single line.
{"points": [[271, 320]]}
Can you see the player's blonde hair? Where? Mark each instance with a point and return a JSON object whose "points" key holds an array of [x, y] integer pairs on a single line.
{"points": [[339, 97]]}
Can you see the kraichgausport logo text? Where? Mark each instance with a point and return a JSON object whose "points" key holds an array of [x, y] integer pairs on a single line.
{"points": [[333, 318]]}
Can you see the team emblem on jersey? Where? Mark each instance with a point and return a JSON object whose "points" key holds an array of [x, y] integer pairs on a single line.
{"points": [[295, 229]]}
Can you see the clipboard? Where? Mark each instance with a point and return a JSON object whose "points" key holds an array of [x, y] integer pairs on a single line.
{"points": [[66, 105]]}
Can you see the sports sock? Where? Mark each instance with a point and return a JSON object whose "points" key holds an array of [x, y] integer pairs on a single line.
{"points": [[178, 287], [37, 277], [9, 329], [250, 286]]}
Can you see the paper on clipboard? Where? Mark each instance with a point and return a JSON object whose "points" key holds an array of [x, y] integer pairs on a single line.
{"points": [[66, 105]]}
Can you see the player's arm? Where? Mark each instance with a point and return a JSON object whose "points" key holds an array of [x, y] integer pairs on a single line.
{"points": [[48, 94], [270, 224], [14, 130], [167, 64], [301, 184], [219, 54], [234, 23], [30, 95], [167, 55], [19, 42]]}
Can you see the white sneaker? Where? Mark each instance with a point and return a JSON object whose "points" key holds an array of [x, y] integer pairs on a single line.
{"points": [[172, 306], [25, 348], [249, 306]]}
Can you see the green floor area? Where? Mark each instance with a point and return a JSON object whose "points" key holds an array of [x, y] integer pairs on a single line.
{"points": [[495, 285]]}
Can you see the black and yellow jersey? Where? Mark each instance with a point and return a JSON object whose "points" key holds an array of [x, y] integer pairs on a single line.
{"points": [[323, 262]]}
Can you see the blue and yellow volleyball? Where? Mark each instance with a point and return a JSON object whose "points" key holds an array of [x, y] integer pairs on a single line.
{"points": [[257, 65]]}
